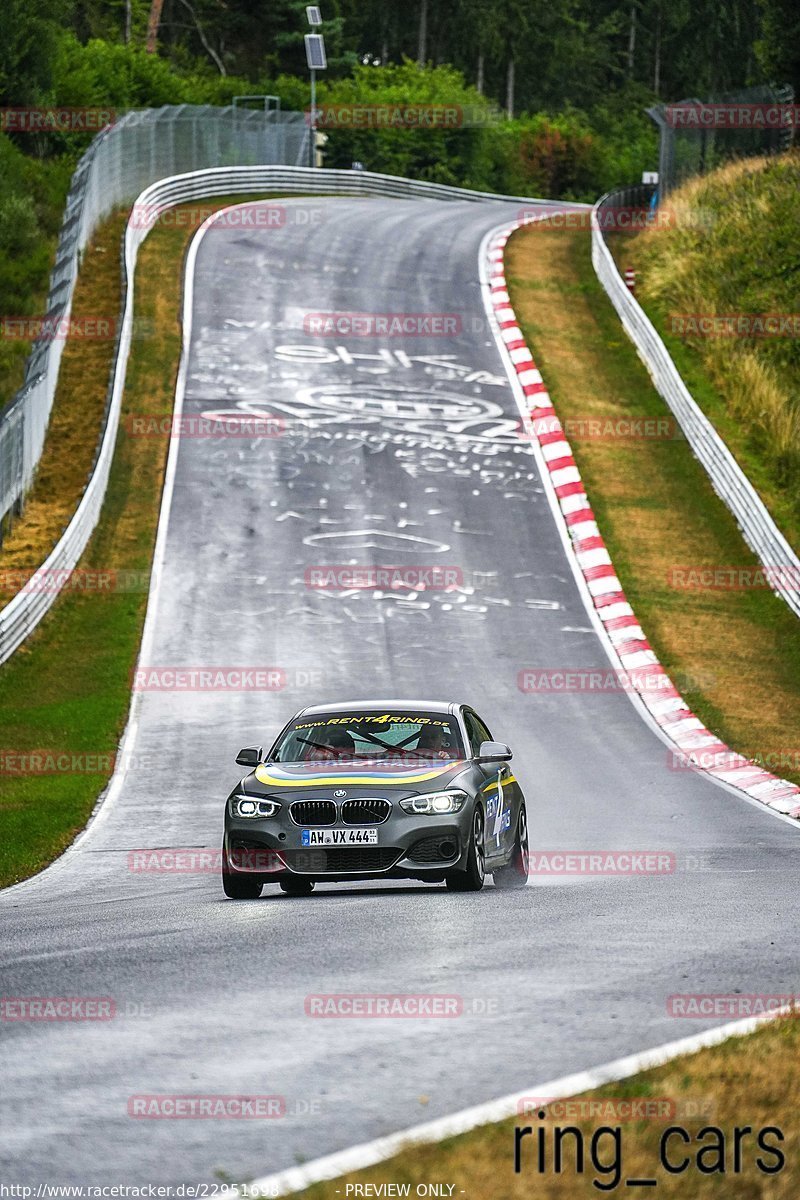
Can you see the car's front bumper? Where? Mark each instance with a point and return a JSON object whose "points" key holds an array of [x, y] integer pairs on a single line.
{"points": [[409, 846]]}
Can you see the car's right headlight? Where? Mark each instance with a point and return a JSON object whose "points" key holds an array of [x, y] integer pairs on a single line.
{"points": [[435, 803], [249, 806]]}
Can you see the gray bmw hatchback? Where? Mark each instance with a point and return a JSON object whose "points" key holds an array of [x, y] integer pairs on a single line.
{"points": [[376, 789]]}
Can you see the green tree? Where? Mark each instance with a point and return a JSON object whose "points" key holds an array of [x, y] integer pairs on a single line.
{"points": [[778, 48], [456, 149], [29, 31]]}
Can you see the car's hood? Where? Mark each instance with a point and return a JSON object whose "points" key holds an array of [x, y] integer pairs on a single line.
{"points": [[293, 777]]}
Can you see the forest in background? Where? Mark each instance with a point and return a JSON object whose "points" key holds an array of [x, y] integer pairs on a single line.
{"points": [[558, 89]]}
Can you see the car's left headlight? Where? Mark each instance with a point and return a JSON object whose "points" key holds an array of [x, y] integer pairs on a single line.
{"points": [[435, 803], [252, 806]]}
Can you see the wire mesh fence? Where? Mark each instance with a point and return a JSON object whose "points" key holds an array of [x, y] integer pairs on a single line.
{"points": [[697, 136], [139, 149], [24, 612]]}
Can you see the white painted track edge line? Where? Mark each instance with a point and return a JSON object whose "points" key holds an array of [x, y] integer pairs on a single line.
{"points": [[369, 1154]]}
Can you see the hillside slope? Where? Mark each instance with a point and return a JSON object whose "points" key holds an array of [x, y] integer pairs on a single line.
{"points": [[730, 248]]}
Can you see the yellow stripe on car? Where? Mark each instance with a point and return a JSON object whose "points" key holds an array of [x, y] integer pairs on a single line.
{"points": [[497, 782], [263, 776]]}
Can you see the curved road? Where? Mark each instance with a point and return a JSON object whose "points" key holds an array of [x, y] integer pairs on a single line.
{"points": [[395, 450]]}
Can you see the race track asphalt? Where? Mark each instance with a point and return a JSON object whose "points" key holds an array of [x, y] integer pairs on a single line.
{"points": [[393, 450]]}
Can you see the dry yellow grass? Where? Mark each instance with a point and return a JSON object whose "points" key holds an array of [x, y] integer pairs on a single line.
{"points": [[76, 418], [757, 394], [752, 1081], [730, 248], [68, 686], [656, 507]]}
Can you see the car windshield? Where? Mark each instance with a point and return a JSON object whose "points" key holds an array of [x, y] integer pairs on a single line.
{"points": [[399, 737]]}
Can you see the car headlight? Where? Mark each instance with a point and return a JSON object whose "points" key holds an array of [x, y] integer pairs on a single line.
{"points": [[246, 806], [435, 803]]}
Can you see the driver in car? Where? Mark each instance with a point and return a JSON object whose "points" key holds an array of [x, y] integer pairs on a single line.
{"points": [[432, 742], [332, 746]]}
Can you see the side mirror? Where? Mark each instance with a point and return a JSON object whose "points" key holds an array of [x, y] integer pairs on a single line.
{"points": [[494, 752], [251, 758]]}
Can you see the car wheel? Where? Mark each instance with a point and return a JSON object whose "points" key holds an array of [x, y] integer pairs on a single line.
{"points": [[515, 873], [238, 887], [472, 879], [297, 887]]}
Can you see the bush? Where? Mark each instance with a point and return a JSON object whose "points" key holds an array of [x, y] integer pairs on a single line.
{"points": [[550, 156], [574, 155], [568, 155], [27, 216], [32, 195], [457, 154]]}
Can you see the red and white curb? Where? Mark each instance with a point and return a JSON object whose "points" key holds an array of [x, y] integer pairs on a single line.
{"points": [[694, 745]]}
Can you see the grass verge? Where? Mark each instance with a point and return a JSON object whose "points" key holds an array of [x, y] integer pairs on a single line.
{"points": [[76, 419], [67, 689], [730, 250], [64, 695], [735, 654], [746, 1082]]}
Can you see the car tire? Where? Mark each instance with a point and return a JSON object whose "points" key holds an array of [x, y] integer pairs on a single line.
{"points": [[239, 887], [297, 887], [471, 880], [515, 873]]}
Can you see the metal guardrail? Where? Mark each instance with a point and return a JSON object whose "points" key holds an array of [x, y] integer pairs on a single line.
{"points": [[728, 479], [23, 613], [137, 150]]}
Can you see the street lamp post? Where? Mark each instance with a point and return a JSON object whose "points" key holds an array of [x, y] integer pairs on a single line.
{"points": [[315, 57]]}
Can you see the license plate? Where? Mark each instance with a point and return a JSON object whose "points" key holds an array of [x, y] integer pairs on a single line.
{"points": [[340, 837]]}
